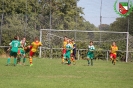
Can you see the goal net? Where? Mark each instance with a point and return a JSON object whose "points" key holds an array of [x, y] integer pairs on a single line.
{"points": [[52, 41]]}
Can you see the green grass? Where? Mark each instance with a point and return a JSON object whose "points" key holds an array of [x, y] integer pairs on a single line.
{"points": [[50, 73]]}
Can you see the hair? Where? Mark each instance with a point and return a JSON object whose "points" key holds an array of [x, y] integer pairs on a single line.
{"points": [[36, 38], [15, 37], [65, 36], [91, 41], [113, 42]]}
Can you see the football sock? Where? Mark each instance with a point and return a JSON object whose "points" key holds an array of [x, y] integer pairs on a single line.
{"points": [[15, 61], [62, 59], [30, 60], [24, 59], [20, 59], [91, 62], [69, 62], [88, 62], [8, 60]]}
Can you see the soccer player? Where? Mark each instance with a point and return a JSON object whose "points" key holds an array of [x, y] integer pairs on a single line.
{"points": [[90, 54], [64, 48], [21, 51], [13, 50], [72, 56], [74, 49], [68, 52], [113, 52], [34, 46]]}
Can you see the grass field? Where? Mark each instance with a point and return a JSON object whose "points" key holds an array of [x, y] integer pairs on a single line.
{"points": [[50, 73]]}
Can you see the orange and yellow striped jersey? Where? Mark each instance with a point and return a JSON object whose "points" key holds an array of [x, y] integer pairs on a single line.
{"points": [[71, 44], [64, 44], [114, 49], [35, 46]]}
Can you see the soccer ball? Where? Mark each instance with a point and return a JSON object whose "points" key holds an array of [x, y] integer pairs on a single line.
{"points": [[28, 48]]}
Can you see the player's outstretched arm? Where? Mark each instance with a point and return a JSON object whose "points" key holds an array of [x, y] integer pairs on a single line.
{"points": [[9, 48]]}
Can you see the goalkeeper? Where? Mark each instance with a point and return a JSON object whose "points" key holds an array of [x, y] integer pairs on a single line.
{"points": [[90, 54]]}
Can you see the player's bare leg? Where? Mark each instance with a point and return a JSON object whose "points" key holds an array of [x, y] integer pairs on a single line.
{"points": [[111, 59], [114, 61]]}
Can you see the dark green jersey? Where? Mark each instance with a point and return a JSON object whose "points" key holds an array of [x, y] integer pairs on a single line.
{"points": [[14, 45]]}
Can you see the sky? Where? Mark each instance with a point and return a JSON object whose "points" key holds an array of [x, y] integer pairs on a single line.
{"points": [[92, 10]]}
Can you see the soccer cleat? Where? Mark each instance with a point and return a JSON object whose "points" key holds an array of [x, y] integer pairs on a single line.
{"points": [[7, 64], [31, 65]]}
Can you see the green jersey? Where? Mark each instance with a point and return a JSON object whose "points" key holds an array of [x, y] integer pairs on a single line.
{"points": [[90, 53], [14, 44], [91, 48], [68, 51], [68, 48]]}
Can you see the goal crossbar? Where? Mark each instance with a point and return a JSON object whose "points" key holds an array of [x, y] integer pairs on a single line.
{"points": [[83, 31]]}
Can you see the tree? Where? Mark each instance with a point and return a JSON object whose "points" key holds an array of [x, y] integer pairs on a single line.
{"points": [[104, 27], [26, 16]]}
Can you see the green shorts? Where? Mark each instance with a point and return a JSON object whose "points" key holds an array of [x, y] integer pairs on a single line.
{"points": [[90, 55], [13, 53], [22, 52], [67, 55]]}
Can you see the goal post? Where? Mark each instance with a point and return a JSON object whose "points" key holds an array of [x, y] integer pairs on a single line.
{"points": [[52, 40]]}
